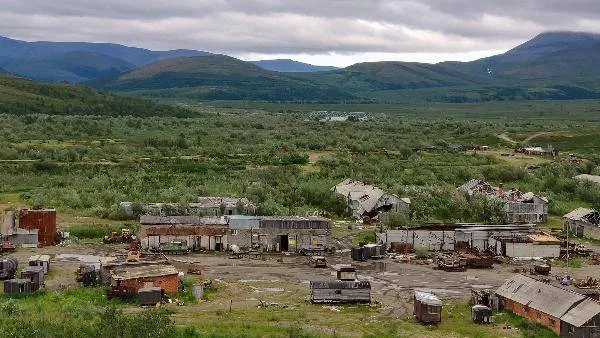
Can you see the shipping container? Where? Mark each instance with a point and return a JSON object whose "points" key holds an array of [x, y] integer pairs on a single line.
{"points": [[340, 292]]}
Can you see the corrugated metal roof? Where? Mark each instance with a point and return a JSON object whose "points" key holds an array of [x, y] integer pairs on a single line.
{"points": [[144, 272], [543, 297], [367, 195], [578, 214], [182, 230], [427, 298], [544, 238], [582, 313], [191, 220], [592, 178]]}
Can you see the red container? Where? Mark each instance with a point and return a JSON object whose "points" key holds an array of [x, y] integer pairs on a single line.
{"points": [[44, 220]]}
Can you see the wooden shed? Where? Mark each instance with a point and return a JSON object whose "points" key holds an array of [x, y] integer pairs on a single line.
{"points": [[340, 292], [427, 307]]}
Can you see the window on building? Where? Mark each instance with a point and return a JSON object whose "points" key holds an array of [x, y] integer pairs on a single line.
{"points": [[433, 310]]}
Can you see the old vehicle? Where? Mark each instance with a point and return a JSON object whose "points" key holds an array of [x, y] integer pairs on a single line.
{"points": [[427, 307], [309, 250], [477, 261], [7, 246], [124, 237], [452, 264], [340, 292], [481, 314], [318, 261], [346, 272], [8, 267], [542, 269], [173, 248]]}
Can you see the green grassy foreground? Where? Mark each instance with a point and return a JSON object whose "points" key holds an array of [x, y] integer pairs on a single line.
{"points": [[86, 312]]}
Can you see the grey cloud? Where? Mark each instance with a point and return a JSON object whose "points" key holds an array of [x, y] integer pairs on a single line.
{"points": [[306, 26]]}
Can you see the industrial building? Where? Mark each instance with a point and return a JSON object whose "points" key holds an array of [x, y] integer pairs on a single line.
{"points": [[583, 222], [519, 207], [198, 233], [206, 206], [369, 202], [564, 312], [132, 279], [279, 233], [477, 237], [525, 245]]}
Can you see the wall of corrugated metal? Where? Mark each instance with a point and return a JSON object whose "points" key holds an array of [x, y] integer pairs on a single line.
{"points": [[532, 250], [43, 220]]}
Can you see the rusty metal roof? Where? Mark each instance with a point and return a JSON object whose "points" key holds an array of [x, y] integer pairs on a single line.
{"points": [[144, 271], [183, 230], [546, 298], [582, 313], [544, 238], [195, 220]]}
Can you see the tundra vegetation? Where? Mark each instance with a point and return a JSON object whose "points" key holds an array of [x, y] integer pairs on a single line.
{"points": [[285, 160]]}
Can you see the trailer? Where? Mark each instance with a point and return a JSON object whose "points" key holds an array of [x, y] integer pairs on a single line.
{"points": [[340, 292], [427, 307]]}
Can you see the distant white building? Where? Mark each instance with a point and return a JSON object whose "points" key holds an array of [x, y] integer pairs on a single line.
{"points": [[367, 201]]}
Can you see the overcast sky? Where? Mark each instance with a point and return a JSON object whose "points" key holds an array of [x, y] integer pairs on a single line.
{"points": [[324, 32]]}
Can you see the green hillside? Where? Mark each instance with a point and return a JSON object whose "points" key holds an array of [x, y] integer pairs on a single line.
{"points": [[217, 77], [75, 66], [22, 96], [554, 65]]}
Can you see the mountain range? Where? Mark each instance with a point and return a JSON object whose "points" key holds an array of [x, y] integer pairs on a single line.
{"points": [[553, 65]]}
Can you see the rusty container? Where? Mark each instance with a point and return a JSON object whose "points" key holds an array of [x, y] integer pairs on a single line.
{"points": [[44, 220]]}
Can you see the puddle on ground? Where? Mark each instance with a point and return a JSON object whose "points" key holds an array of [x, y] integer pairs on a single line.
{"points": [[273, 289], [76, 257]]}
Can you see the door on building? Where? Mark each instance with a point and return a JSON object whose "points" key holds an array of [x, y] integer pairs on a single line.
{"points": [[218, 243], [284, 243], [153, 242]]}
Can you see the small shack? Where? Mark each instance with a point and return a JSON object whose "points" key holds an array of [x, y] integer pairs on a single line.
{"points": [[40, 260], [131, 279], [427, 307], [340, 292], [12, 286]]}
